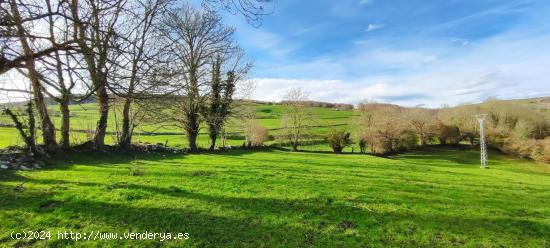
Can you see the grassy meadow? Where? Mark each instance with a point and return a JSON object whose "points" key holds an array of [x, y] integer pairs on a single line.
{"points": [[433, 197], [271, 198], [84, 116], [346, 124]]}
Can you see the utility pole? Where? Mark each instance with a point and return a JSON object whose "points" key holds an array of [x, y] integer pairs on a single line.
{"points": [[482, 141]]}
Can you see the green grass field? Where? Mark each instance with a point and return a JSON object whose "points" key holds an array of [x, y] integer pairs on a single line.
{"points": [[84, 116], [269, 198], [434, 197]]}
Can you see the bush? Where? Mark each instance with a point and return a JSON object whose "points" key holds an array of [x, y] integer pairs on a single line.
{"points": [[257, 135], [528, 148], [338, 140], [447, 133], [363, 145], [541, 151], [408, 139]]}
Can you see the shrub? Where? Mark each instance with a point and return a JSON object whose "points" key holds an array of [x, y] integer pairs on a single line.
{"points": [[363, 145], [257, 135], [528, 148], [541, 151], [338, 140], [447, 133], [469, 136], [408, 139]]}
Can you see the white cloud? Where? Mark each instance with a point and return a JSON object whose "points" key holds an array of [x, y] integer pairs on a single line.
{"points": [[462, 42], [434, 73], [380, 89], [371, 27]]}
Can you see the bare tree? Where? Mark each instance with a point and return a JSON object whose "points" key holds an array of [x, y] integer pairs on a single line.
{"points": [[252, 10], [384, 127], [257, 135], [422, 121], [134, 74], [28, 44], [94, 23], [196, 37], [60, 71], [297, 117], [12, 55]]}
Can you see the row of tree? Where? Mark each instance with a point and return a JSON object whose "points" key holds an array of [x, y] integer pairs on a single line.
{"points": [[510, 127], [385, 128], [150, 55]]}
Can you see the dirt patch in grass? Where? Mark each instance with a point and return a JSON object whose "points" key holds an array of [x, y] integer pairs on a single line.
{"points": [[50, 204], [346, 224]]}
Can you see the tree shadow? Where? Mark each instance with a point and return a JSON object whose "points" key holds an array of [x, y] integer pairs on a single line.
{"points": [[441, 157], [257, 221], [253, 221]]}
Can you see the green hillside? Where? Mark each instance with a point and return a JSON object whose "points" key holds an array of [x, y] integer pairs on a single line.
{"points": [[431, 197], [84, 116], [269, 115]]}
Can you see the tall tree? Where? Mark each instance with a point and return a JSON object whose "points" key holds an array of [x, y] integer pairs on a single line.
{"points": [[134, 74], [297, 117], [60, 72], [25, 38], [94, 25], [219, 106], [217, 109], [422, 121], [196, 37]]}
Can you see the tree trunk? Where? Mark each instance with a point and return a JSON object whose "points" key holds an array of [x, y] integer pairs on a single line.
{"points": [[213, 134], [223, 136], [192, 140], [101, 128], [65, 123], [126, 136], [192, 130], [48, 128], [294, 146]]}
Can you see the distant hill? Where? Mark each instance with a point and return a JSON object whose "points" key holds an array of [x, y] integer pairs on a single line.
{"points": [[541, 104], [50, 101]]}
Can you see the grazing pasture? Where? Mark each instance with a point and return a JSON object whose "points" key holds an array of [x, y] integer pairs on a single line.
{"points": [[271, 198], [84, 118]]}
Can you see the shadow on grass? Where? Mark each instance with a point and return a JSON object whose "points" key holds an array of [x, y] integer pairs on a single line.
{"points": [[285, 149], [255, 221], [468, 156], [462, 155], [259, 221]]}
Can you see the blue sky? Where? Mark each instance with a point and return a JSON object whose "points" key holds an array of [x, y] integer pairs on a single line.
{"points": [[407, 52]]}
